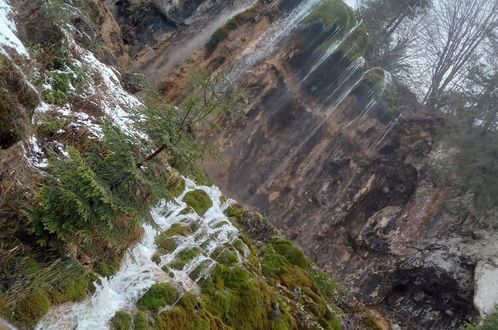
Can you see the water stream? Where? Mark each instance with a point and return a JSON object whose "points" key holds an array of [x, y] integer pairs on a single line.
{"points": [[138, 272]]}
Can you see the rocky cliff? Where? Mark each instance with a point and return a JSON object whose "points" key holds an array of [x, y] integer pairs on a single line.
{"points": [[341, 175]]}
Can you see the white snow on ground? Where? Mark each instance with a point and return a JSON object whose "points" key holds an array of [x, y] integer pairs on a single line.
{"points": [[8, 28], [115, 101], [34, 154]]}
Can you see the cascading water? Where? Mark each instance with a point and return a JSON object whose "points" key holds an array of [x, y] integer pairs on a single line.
{"points": [[138, 272], [332, 49], [267, 42]]}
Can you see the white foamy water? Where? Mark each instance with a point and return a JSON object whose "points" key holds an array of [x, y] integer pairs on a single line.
{"points": [[138, 272]]}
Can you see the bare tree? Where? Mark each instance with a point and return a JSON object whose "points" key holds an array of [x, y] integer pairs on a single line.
{"points": [[392, 27], [453, 33]]}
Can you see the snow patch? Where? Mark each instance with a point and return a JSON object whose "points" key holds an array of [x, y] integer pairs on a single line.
{"points": [[8, 29], [35, 155], [114, 100]]}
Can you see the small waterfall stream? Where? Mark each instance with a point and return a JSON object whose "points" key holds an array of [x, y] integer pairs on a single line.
{"points": [[334, 46], [138, 272], [267, 42]]}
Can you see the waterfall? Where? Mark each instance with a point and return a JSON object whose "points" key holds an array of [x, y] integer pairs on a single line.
{"points": [[334, 46], [265, 45], [311, 131], [138, 272]]}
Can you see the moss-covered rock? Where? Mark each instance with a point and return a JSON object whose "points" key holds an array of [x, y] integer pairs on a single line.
{"points": [[178, 188], [292, 253], [108, 266], [165, 244], [157, 297], [332, 12], [225, 256], [31, 309], [184, 257], [187, 210], [198, 271], [243, 300], [271, 261], [141, 321], [199, 200], [74, 289], [235, 212], [121, 321], [188, 314], [176, 230], [223, 32]]}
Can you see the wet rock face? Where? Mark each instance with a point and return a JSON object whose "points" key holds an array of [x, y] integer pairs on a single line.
{"points": [[142, 24], [350, 188], [342, 179]]}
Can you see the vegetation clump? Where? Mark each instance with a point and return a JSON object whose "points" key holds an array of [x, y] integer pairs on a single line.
{"points": [[199, 200], [223, 32], [184, 257], [141, 321], [165, 244], [188, 314], [176, 229], [490, 322], [178, 188], [121, 321], [158, 297], [31, 309]]}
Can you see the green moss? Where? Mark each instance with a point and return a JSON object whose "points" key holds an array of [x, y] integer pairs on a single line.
{"points": [[332, 12], [225, 256], [157, 297], [194, 226], [223, 199], [239, 245], [31, 309], [291, 252], [374, 79], [165, 243], [188, 314], [271, 262], [187, 210], [199, 200], [121, 321], [73, 290], [199, 270], [336, 13], [236, 296], [335, 324], [234, 211], [141, 322], [222, 32], [49, 125], [184, 257], [109, 266], [220, 224], [327, 286], [178, 188], [156, 258], [176, 230]]}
